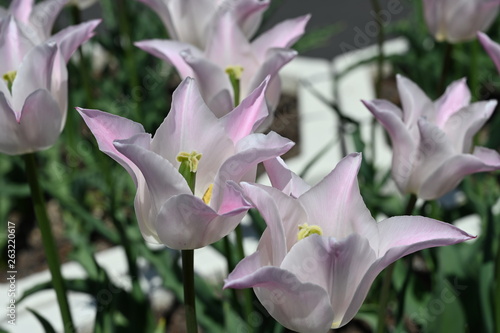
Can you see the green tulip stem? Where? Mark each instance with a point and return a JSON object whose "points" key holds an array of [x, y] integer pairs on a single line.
{"points": [[48, 241], [130, 60], [446, 69], [386, 283], [497, 289], [234, 73], [189, 293], [188, 168], [473, 74]]}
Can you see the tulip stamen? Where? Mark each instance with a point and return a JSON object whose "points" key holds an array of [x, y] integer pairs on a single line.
{"points": [[189, 167], [9, 77], [208, 194], [306, 230], [235, 73]]}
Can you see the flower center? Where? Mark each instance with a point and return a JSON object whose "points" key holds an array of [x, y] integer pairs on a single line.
{"points": [[235, 73], [191, 160], [189, 166], [208, 194], [9, 78], [306, 230]]}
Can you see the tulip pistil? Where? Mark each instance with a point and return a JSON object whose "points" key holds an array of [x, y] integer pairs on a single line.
{"points": [[235, 73], [9, 77], [189, 166], [306, 230], [208, 194], [191, 160]]}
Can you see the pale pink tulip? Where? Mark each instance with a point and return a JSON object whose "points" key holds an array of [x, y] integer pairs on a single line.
{"points": [[321, 252], [33, 88], [459, 20], [432, 141], [228, 48], [167, 211], [192, 21]]}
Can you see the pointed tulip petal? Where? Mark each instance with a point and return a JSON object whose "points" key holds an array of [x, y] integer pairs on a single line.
{"points": [[282, 35], [44, 15], [143, 211], [402, 235], [107, 128], [390, 116], [163, 180], [14, 45], [248, 15], [21, 9], [285, 179], [456, 97], [491, 47], [247, 116], [35, 72], [71, 38], [160, 7], [192, 20], [335, 204], [415, 102], [245, 267], [275, 60], [434, 149], [226, 42], [335, 265], [212, 80], [451, 172], [40, 122], [271, 214], [302, 307], [463, 125], [186, 222], [9, 128], [170, 51], [251, 151]]}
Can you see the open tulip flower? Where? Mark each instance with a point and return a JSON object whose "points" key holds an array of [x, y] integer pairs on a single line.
{"points": [[190, 21], [196, 208], [459, 20], [322, 250], [432, 141], [33, 89], [231, 67]]}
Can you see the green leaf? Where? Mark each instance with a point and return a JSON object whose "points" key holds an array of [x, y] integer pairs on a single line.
{"points": [[44, 322], [318, 37], [445, 311]]}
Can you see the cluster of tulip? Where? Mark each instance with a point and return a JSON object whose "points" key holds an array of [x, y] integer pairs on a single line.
{"points": [[195, 177]]}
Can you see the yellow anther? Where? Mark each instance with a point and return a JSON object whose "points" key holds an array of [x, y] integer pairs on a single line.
{"points": [[191, 159], [234, 72], [208, 194], [9, 77], [306, 230], [336, 324]]}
